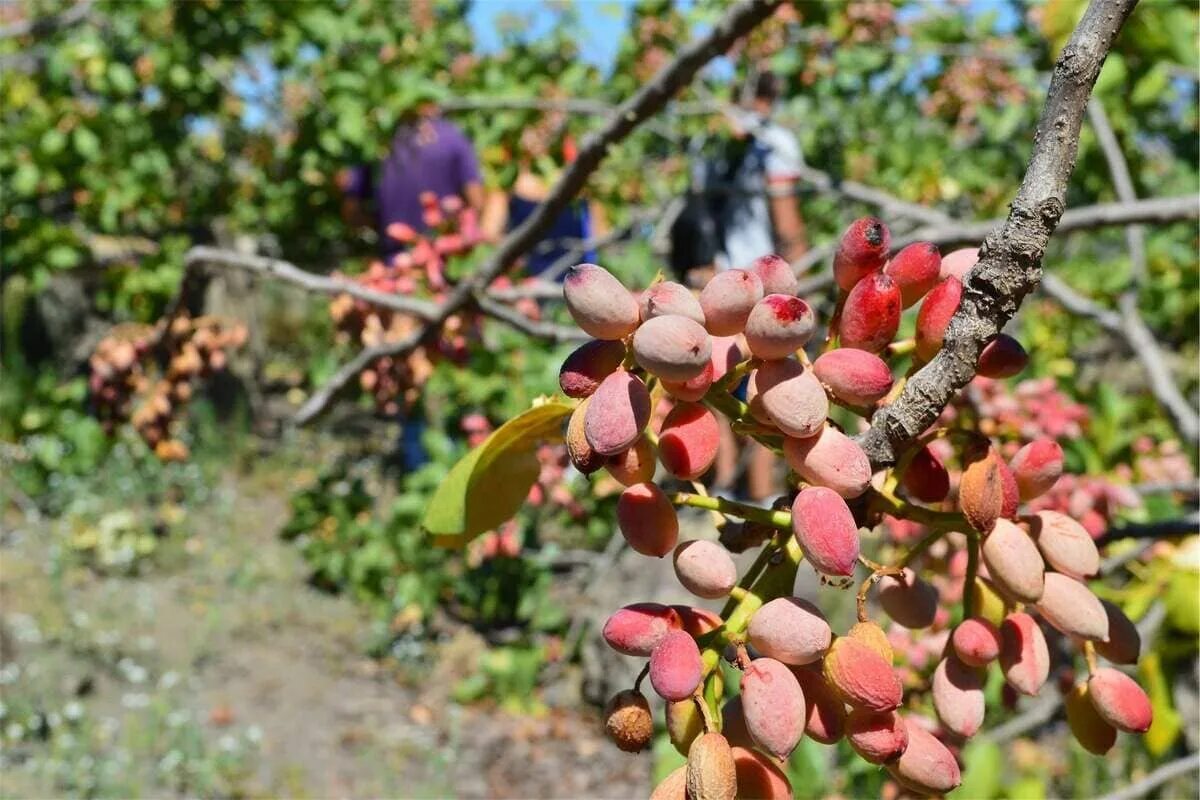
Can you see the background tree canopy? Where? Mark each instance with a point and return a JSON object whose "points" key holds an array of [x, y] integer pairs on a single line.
{"points": [[134, 132]]}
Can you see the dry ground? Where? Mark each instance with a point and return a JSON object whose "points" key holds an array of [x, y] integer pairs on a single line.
{"points": [[217, 671]]}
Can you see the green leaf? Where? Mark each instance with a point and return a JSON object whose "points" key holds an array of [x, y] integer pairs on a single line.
{"points": [[87, 143], [983, 778], [121, 79], [1113, 75], [1151, 86], [25, 179], [53, 141], [1164, 730], [1030, 787], [62, 256], [489, 484], [1180, 600]]}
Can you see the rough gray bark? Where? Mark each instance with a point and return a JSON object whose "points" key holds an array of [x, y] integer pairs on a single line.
{"points": [[1010, 263]]}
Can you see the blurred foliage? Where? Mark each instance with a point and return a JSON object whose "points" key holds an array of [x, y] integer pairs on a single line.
{"points": [[358, 527], [140, 129]]}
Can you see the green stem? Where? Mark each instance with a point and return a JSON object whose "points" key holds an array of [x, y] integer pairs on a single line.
{"points": [[1089, 654], [730, 380], [748, 579], [943, 433], [834, 323], [778, 519], [721, 401], [939, 520], [861, 411], [968, 601], [776, 580], [920, 547]]}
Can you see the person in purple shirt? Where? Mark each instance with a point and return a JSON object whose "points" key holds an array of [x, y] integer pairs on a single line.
{"points": [[428, 154]]}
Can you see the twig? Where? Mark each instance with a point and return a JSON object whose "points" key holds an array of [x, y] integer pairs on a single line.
{"points": [[1112, 563], [1035, 716], [1160, 210], [968, 598], [710, 724], [1058, 290], [40, 26], [571, 257], [200, 256], [533, 290], [1139, 336], [571, 105], [1169, 771], [860, 192], [539, 328], [1127, 324], [764, 516], [878, 572], [1190, 488], [1151, 621], [739, 20], [1010, 259], [1181, 526]]}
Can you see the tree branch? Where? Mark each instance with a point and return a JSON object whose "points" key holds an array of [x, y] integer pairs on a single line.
{"points": [[1036, 715], [1133, 328], [1100, 215], [1129, 326], [1010, 263], [40, 26], [739, 20], [860, 192], [1058, 290], [1169, 771], [547, 331], [200, 256], [952, 232], [1161, 529]]}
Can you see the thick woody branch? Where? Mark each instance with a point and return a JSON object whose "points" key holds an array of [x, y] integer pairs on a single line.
{"points": [[739, 20], [1010, 263]]}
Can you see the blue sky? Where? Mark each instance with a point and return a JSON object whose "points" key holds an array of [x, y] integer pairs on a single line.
{"points": [[604, 22]]}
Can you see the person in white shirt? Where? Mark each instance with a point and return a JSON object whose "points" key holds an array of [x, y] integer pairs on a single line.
{"points": [[760, 213], [751, 194]]}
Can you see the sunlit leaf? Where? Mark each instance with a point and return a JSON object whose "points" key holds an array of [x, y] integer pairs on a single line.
{"points": [[1167, 722], [984, 774], [491, 482]]}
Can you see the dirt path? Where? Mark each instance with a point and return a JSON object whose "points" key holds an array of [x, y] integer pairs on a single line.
{"points": [[218, 672]]}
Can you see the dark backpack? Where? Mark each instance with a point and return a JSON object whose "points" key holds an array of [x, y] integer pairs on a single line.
{"points": [[695, 234], [695, 239]]}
